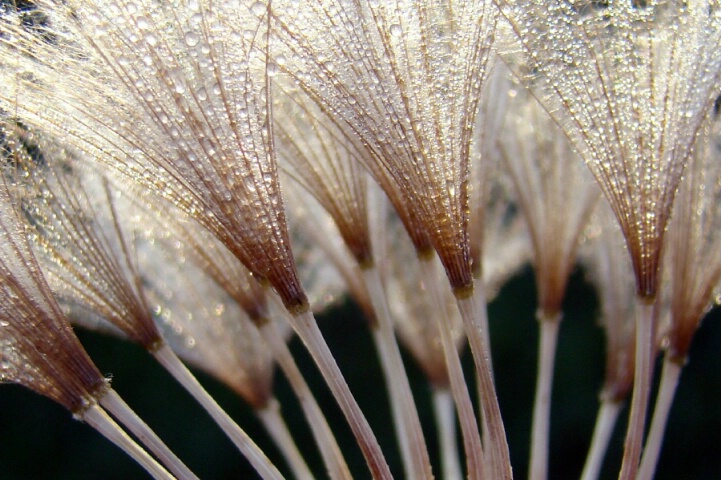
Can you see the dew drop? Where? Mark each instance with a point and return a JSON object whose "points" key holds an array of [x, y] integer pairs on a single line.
{"points": [[202, 94], [249, 184], [192, 39], [396, 30], [258, 8], [142, 23], [151, 39]]}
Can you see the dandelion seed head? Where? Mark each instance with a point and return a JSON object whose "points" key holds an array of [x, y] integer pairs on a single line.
{"points": [[315, 154], [611, 271], [630, 85], [554, 191], [77, 222], [410, 98], [37, 346], [185, 114], [205, 326], [692, 267]]}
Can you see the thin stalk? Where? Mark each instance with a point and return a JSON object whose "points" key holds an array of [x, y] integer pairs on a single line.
{"points": [[113, 403], [480, 292], [101, 421], [329, 449], [538, 468], [605, 424], [641, 389], [445, 415], [242, 441], [459, 388], [403, 407], [667, 390], [497, 449], [273, 422], [307, 329]]}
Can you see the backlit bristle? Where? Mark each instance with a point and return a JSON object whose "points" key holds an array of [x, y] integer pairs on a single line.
{"points": [[38, 348], [410, 99], [174, 110], [693, 261], [630, 84]]}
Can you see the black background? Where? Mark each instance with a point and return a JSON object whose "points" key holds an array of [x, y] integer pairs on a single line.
{"points": [[39, 439]]}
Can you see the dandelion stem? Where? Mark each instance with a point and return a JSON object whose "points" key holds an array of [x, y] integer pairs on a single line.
{"points": [[538, 468], [669, 381], [273, 422], [459, 388], [101, 421], [405, 414], [497, 450], [605, 423], [307, 329], [642, 386], [113, 403], [329, 449], [446, 423], [480, 292], [242, 441]]}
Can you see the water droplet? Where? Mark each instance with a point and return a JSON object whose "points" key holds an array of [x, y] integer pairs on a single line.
{"points": [[202, 94], [142, 23], [4, 323], [258, 8], [192, 39], [151, 39], [396, 30], [249, 184]]}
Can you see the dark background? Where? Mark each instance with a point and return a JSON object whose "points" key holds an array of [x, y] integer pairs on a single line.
{"points": [[39, 439]]}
